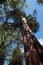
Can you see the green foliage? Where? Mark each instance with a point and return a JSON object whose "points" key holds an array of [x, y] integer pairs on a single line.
{"points": [[16, 57], [40, 1], [32, 22], [2, 55], [17, 12]]}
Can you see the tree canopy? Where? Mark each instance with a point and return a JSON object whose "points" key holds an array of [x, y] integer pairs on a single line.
{"points": [[12, 10], [16, 57]]}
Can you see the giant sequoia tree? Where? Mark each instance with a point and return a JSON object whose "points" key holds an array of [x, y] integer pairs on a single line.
{"points": [[13, 9]]}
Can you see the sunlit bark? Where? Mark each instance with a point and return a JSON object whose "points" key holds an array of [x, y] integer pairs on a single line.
{"points": [[33, 49]]}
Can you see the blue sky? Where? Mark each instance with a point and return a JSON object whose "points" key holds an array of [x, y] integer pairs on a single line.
{"points": [[32, 6]]}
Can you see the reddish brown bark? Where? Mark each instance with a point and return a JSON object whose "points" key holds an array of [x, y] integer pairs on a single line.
{"points": [[32, 48]]}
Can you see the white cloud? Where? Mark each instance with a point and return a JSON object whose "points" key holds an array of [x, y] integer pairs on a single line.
{"points": [[41, 41]]}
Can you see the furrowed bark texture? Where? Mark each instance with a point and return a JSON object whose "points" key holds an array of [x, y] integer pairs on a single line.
{"points": [[32, 48]]}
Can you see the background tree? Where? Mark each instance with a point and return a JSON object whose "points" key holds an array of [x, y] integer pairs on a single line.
{"points": [[16, 57]]}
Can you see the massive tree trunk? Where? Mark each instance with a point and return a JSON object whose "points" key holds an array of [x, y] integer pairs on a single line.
{"points": [[32, 48]]}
